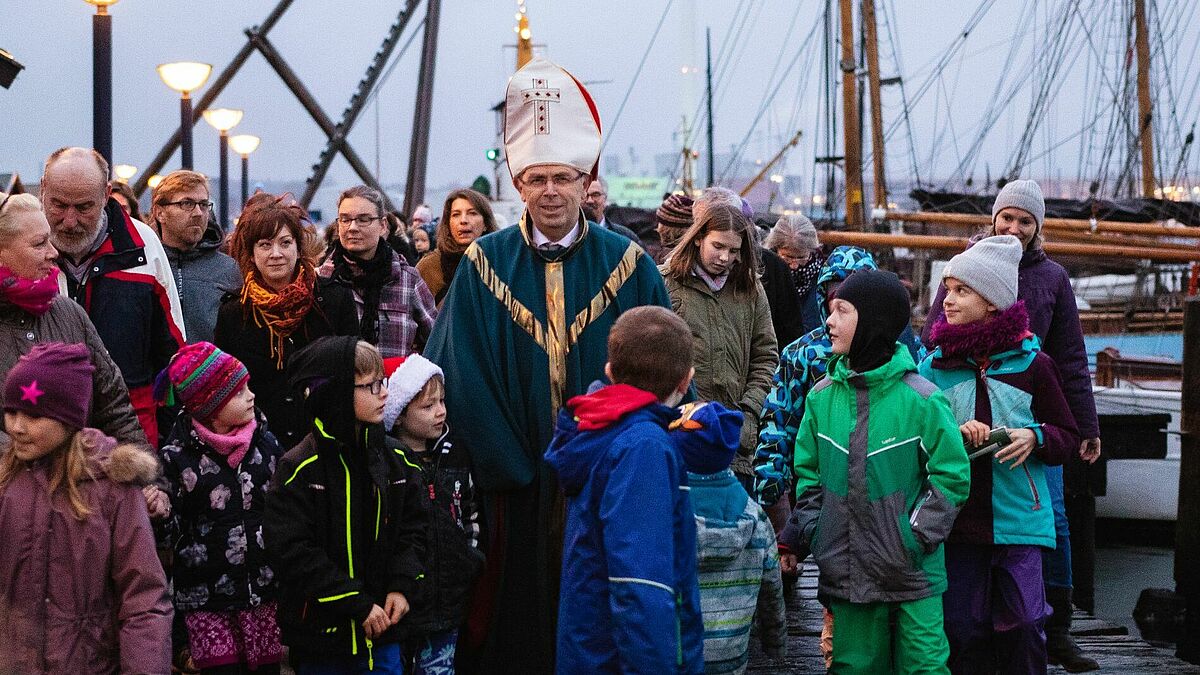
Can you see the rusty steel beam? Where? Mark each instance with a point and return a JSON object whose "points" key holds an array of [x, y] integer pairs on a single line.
{"points": [[944, 243], [1068, 224]]}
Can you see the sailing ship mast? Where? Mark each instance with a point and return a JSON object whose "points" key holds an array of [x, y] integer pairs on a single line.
{"points": [[871, 36], [850, 122], [1146, 135]]}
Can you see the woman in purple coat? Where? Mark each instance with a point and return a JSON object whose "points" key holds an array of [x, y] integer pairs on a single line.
{"points": [[1045, 287]]}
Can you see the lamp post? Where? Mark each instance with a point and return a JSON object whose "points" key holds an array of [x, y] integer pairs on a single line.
{"points": [[185, 77], [154, 180], [223, 119], [102, 78], [124, 172], [244, 144]]}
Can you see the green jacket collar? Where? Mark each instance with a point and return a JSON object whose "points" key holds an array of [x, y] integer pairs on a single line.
{"points": [[892, 371]]}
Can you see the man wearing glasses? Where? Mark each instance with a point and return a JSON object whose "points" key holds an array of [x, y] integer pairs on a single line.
{"points": [[594, 202], [524, 327], [116, 268], [182, 214]]}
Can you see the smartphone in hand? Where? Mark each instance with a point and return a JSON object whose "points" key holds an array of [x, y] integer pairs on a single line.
{"points": [[998, 438]]}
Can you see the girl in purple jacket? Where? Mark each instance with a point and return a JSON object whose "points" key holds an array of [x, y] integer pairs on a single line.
{"points": [[81, 589]]}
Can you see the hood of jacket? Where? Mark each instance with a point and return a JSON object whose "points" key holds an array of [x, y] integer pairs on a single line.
{"points": [[842, 262], [120, 462], [586, 427], [323, 373], [724, 526]]}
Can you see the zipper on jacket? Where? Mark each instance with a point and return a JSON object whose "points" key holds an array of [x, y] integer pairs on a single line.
{"points": [[678, 631], [1037, 500], [912, 518]]}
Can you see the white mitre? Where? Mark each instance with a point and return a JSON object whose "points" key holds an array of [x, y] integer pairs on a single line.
{"points": [[549, 118]]}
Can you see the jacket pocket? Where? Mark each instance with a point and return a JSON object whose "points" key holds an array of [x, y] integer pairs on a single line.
{"points": [[830, 544], [889, 547]]}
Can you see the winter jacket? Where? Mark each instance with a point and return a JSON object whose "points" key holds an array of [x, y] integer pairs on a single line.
{"points": [[236, 333], [216, 520], [801, 365], [203, 276], [880, 475], [406, 311], [629, 601], [738, 572], [735, 350], [66, 322], [788, 313], [129, 293], [437, 271], [453, 559], [345, 521], [1018, 387], [83, 596]]}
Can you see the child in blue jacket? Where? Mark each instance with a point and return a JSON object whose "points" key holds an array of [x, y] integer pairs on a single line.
{"points": [[629, 600]]}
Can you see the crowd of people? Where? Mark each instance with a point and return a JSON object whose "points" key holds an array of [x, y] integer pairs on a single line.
{"points": [[551, 447]]}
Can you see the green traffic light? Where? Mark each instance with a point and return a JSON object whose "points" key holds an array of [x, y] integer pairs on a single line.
{"points": [[492, 153]]}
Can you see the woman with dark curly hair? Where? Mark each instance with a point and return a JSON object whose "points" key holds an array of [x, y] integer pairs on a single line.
{"points": [[283, 305]]}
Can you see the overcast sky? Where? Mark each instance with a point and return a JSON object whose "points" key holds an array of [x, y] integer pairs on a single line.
{"points": [[329, 44]]}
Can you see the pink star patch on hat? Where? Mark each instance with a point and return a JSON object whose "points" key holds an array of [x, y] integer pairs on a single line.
{"points": [[31, 393]]}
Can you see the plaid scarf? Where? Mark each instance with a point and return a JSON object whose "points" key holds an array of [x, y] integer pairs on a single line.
{"points": [[806, 275], [280, 313]]}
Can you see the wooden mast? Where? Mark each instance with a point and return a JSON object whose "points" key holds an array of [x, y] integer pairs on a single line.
{"points": [[879, 192], [1145, 108], [850, 121]]}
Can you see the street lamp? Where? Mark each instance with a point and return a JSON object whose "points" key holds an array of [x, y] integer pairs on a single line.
{"points": [[124, 172], [102, 78], [185, 77], [223, 119], [244, 144], [154, 180]]}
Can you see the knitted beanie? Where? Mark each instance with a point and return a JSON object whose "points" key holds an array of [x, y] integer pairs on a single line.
{"points": [[1024, 195], [990, 269], [53, 380], [707, 436], [202, 378], [675, 212], [406, 377]]}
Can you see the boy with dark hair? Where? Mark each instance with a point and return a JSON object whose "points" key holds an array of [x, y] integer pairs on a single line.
{"points": [[629, 599], [880, 475]]}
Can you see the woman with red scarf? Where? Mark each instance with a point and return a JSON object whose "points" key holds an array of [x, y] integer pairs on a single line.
{"points": [[283, 305], [33, 312]]}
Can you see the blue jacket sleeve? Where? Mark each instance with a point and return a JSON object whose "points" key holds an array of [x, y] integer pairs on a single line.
{"points": [[637, 518]]}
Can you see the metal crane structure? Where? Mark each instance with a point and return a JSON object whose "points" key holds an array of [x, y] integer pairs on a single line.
{"points": [[336, 133]]}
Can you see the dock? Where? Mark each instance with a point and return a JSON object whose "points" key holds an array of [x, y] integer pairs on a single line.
{"points": [[1111, 645]]}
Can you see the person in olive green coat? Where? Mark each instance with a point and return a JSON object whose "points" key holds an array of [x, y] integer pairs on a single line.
{"points": [[711, 277]]}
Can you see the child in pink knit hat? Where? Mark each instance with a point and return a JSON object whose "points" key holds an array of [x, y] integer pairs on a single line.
{"points": [[217, 463]]}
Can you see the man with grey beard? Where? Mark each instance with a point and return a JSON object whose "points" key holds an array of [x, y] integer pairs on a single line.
{"points": [[116, 268]]}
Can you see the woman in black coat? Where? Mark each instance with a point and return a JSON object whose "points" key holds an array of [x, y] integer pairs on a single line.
{"points": [[283, 306]]}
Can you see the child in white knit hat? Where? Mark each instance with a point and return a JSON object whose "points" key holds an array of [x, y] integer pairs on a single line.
{"points": [[415, 416], [992, 370]]}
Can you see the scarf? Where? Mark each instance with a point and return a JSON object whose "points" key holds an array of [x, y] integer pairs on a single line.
{"points": [[980, 339], [232, 446], [280, 313], [32, 296], [368, 278], [715, 284], [805, 276]]}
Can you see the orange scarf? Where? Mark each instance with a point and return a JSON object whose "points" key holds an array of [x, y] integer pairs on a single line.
{"points": [[280, 313]]}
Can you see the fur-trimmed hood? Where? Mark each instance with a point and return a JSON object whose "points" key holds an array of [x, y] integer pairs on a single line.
{"points": [[1004, 331], [121, 462]]}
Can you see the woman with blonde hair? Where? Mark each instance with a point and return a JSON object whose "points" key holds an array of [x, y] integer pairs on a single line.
{"points": [[81, 588], [712, 279], [32, 311], [466, 216]]}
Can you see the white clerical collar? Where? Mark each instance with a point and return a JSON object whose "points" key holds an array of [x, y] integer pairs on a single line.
{"points": [[540, 240]]}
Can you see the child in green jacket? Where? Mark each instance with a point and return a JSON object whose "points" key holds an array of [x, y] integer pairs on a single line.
{"points": [[880, 475]]}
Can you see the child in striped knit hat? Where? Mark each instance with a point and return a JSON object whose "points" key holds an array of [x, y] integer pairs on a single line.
{"points": [[217, 464]]}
